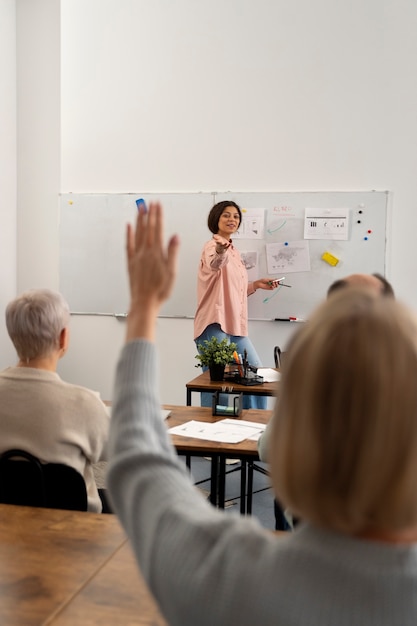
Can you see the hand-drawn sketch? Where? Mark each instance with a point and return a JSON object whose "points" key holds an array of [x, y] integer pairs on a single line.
{"points": [[284, 210], [252, 225], [250, 260], [281, 224], [293, 256]]}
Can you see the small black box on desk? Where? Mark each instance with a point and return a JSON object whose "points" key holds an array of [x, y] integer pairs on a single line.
{"points": [[227, 410]]}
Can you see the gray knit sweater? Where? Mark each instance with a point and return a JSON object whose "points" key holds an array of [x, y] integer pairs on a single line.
{"points": [[209, 568]]}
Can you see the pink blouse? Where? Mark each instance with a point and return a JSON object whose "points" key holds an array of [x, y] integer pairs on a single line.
{"points": [[222, 290]]}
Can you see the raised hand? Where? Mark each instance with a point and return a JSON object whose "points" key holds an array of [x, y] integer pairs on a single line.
{"points": [[152, 269]]}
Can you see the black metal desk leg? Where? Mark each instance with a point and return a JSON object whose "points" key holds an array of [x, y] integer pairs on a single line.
{"points": [[222, 481], [243, 486], [214, 478], [250, 488], [188, 397]]}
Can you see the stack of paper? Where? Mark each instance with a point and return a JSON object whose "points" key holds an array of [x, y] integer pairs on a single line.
{"points": [[268, 374], [224, 431]]}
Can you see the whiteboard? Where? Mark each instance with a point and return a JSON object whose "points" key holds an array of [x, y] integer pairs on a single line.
{"points": [[93, 274]]}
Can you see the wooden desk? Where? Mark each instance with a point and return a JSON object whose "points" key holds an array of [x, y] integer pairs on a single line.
{"points": [[69, 567], [246, 451], [203, 383]]}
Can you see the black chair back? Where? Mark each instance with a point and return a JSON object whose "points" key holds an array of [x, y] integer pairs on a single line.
{"points": [[24, 480], [277, 356]]}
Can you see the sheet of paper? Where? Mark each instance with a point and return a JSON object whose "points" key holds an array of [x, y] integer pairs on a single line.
{"points": [[326, 224], [250, 260], [253, 427], [288, 256], [268, 374], [224, 431], [252, 225]]}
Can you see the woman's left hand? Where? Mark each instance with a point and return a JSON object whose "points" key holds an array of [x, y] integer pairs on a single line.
{"points": [[266, 283]]}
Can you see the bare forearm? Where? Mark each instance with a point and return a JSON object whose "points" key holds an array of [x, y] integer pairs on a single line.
{"points": [[141, 323]]}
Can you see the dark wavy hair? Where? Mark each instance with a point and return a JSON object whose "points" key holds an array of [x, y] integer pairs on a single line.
{"points": [[217, 210]]}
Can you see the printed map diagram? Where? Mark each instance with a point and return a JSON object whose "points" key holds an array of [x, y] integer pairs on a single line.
{"points": [[288, 257]]}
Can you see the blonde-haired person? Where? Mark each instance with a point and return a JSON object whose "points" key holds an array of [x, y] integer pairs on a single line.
{"points": [[375, 283], [343, 452], [56, 421], [344, 456]]}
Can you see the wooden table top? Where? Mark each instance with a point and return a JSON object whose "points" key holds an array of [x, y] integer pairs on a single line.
{"points": [[181, 414], [69, 567], [203, 383]]}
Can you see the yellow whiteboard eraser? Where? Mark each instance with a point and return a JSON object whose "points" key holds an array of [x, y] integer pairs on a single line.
{"points": [[330, 258]]}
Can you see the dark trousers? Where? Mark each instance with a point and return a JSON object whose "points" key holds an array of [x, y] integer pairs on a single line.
{"points": [[104, 502], [280, 520]]}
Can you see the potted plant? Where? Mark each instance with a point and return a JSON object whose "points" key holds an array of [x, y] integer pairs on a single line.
{"points": [[215, 355]]}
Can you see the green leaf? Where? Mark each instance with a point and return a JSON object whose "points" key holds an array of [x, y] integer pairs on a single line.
{"points": [[214, 351]]}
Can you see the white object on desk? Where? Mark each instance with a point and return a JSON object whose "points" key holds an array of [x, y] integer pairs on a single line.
{"points": [[268, 374], [224, 431]]}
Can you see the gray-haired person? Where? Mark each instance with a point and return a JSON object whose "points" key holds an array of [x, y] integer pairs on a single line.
{"points": [[39, 412]]}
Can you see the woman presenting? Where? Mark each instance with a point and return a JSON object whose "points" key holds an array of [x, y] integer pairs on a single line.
{"points": [[222, 290]]}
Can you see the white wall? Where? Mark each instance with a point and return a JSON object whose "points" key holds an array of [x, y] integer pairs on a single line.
{"points": [[242, 95], [7, 170], [39, 141]]}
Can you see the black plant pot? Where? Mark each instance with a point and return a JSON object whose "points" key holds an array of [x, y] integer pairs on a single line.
{"points": [[216, 372]]}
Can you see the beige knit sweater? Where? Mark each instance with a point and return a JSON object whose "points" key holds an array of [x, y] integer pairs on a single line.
{"points": [[54, 420]]}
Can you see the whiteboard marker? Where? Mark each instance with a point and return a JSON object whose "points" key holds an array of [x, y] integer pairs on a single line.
{"points": [[288, 319], [279, 281]]}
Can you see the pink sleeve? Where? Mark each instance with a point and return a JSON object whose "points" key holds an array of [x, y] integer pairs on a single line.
{"points": [[212, 259], [251, 289]]}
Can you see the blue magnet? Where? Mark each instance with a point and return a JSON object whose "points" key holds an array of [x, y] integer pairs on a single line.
{"points": [[140, 202]]}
